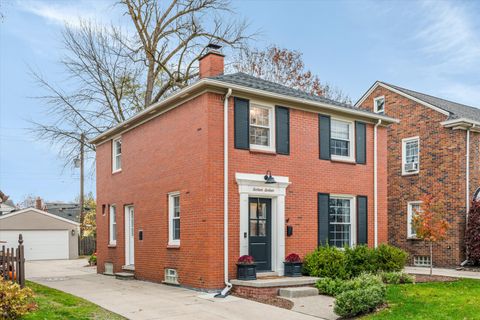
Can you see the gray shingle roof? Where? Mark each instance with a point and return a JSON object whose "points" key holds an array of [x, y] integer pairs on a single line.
{"points": [[70, 211], [246, 80], [456, 110]]}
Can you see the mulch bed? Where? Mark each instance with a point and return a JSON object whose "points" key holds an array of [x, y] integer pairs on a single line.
{"points": [[422, 278], [274, 301]]}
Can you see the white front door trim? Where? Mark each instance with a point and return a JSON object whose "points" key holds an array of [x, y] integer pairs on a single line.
{"points": [[129, 236], [253, 185]]}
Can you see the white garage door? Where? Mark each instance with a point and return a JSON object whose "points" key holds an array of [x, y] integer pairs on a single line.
{"points": [[39, 245]]}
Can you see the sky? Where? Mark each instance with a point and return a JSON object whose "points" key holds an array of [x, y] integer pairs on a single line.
{"points": [[427, 46]]}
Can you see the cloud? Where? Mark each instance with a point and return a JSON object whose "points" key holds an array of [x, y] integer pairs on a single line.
{"points": [[70, 12], [448, 33]]}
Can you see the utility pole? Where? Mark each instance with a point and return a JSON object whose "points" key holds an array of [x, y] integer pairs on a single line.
{"points": [[82, 216]]}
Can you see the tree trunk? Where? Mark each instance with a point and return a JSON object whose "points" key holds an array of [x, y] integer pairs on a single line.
{"points": [[431, 258]]}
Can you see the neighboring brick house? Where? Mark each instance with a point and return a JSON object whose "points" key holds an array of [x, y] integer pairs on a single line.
{"points": [[428, 154], [161, 196]]}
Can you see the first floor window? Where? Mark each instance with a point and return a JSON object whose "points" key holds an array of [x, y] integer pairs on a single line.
{"points": [[174, 218], [413, 208], [113, 225], [341, 134], [261, 127], [340, 221], [410, 155], [117, 154]]}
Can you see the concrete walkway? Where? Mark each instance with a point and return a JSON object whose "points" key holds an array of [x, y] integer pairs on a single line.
{"points": [[444, 272], [145, 300]]}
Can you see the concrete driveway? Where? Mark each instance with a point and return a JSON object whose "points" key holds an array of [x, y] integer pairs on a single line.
{"points": [[145, 300]]}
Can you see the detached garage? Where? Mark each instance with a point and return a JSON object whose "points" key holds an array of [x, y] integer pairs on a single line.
{"points": [[45, 235]]}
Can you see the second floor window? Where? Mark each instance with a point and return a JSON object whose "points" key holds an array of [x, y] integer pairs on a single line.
{"points": [[341, 139], [261, 127], [410, 155], [117, 155]]}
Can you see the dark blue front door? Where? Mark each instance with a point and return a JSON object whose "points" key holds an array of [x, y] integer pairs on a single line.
{"points": [[260, 239]]}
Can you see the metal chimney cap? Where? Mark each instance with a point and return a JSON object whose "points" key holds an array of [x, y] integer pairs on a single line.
{"points": [[213, 46]]}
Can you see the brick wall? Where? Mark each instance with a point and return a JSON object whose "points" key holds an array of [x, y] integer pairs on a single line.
{"points": [[182, 150], [442, 173]]}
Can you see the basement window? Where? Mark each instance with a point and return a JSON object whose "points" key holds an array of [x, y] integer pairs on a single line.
{"points": [[171, 276], [421, 261]]}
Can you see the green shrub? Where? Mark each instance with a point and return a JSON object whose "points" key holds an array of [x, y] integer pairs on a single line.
{"points": [[333, 287], [14, 301], [326, 261], [351, 303], [329, 286], [92, 260], [389, 258], [396, 277], [360, 259]]}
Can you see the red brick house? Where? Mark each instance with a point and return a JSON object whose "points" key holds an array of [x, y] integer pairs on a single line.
{"points": [[435, 149], [177, 204]]}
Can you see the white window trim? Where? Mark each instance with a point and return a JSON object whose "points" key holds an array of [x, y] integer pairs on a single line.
{"points": [[114, 155], [351, 137], [410, 213], [353, 215], [404, 154], [111, 241], [375, 104], [272, 147], [171, 241]]}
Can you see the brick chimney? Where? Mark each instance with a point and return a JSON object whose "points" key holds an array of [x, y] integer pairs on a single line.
{"points": [[212, 63], [39, 203]]}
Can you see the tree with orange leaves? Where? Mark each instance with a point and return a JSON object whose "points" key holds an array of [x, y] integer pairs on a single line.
{"points": [[430, 223]]}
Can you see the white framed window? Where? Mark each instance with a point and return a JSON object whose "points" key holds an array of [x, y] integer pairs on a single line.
{"points": [[421, 261], [342, 222], [413, 207], [171, 276], [410, 155], [174, 219], [262, 127], [341, 139], [112, 226], [379, 104], [117, 155]]}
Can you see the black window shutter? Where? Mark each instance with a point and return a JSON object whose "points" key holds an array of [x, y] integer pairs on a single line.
{"points": [[361, 142], [324, 136], [362, 219], [323, 208], [282, 129], [241, 123]]}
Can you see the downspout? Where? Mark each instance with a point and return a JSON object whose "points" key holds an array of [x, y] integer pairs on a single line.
{"points": [[375, 184], [228, 285], [467, 187]]}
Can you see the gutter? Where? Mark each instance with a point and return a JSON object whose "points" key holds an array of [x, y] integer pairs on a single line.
{"points": [[228, 285], [375, 184], [186, 93]]}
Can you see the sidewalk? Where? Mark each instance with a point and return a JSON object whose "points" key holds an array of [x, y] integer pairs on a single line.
{"points": [[444, 272]]}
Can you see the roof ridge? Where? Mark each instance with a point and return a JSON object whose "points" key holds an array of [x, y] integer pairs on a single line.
{"points": [[429, 95]]}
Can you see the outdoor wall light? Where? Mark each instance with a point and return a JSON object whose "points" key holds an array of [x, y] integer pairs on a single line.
{"points": [[73, 232], [268, 178]]}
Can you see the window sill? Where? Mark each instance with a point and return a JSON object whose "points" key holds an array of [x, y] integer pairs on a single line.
{"points": [[347, 161], [413, 239], [410, 173], [269, 152], [173, 246], [112, 245], [117, 171]]}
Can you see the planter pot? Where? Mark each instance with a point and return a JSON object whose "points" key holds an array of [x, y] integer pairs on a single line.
{"points": [[293, 269], [246, 272]]}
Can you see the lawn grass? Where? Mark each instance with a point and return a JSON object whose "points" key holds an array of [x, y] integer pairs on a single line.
{"points": [[54, 304], [434, 300]]}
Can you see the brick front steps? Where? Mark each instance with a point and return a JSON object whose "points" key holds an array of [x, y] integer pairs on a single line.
{"points": [[266, 290]]}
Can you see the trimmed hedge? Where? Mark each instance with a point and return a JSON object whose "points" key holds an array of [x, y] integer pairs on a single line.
{"points": [[332, 262], [397, 277]]}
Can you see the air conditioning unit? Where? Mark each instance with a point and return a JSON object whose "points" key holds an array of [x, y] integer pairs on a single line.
{"points": [[412, 166]]}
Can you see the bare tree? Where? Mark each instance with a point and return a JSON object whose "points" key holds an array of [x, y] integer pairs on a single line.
{"points": [[113, 74], [286, 67]]}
